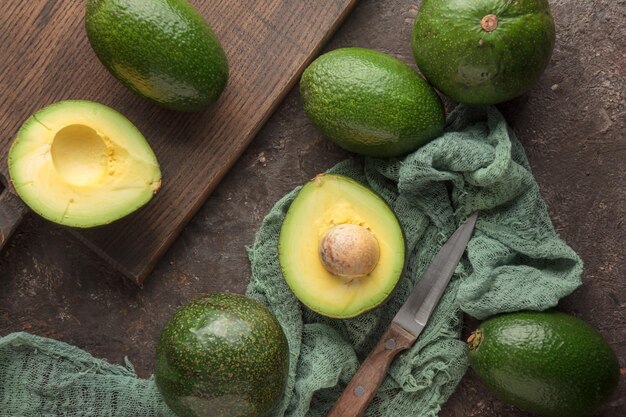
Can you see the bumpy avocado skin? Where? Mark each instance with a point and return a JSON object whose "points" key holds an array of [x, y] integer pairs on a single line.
{"points": [[370, 103], [549, 363], [162, 50], [222, 355], [471, 65]]}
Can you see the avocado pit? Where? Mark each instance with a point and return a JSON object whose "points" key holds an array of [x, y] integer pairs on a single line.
{"points": [[349, 250]]}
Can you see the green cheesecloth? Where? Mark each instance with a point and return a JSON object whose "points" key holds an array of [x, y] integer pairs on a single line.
{"points": [[515, 261]]}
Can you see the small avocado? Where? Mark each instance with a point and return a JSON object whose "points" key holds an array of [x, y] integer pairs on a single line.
{"points": [[483, 52], [82, 164], [222, 355], [551, 364], [370, 103], [341, 248], [162, 50]]}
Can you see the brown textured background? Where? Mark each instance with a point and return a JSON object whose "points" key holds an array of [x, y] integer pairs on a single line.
{"points": [[572, 125]]}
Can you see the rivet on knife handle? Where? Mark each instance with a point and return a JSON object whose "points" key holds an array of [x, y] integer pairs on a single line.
{"points": [[12, 211], [363, 386]]}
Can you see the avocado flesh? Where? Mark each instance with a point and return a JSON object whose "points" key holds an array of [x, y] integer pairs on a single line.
{"points": [[82, 164], [549, 363], [222, 355], [370, 103], [472, 65], [162, 50], [325, 201]]}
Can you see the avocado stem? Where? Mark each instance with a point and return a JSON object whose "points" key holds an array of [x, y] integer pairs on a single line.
{"points": [[489, 23], [475, 339]]}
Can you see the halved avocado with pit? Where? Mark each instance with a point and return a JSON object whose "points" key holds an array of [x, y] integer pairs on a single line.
{"points": [[341, 248], [82, 164]]}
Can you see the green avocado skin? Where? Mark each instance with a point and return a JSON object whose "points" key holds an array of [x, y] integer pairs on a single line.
{"points": [[370, 103], [222, 355], [551, 364], [471, 65], [162, 50]]}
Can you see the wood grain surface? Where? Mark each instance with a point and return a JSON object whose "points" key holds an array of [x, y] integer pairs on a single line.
{"points": [[46, 57]]}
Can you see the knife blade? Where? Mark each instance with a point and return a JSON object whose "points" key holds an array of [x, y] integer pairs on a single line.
{"points": [[406, 326]]}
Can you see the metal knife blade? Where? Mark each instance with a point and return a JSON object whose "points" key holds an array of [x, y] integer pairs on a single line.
{"points": [[426, 294]]}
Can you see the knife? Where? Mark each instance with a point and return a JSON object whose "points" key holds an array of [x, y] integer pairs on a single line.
{"points": [[406, 326]]}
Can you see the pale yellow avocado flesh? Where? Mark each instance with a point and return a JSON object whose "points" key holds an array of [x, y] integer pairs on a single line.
{"points": [[324, 202], [82, 164]]}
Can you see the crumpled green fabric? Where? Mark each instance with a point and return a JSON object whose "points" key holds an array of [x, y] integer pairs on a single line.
{"points": [[515, 261], [42, 377]]}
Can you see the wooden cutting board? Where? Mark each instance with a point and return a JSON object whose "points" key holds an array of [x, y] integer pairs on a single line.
{"points": [[46, 57]]}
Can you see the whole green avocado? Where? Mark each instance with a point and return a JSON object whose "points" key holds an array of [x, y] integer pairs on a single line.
{"points": [[483, 51], [551, 364], [222, 355], [162, 50], [370, 103]]}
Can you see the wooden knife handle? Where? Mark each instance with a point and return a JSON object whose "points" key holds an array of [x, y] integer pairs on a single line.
{"points": [[364, 384], [12, 212]]}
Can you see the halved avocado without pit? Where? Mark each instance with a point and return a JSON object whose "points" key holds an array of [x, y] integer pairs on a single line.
{"points": [[82, 164], [341, 248]]}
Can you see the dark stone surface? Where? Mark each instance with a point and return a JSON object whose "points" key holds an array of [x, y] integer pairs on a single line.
{"points": [[572, 124]]}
